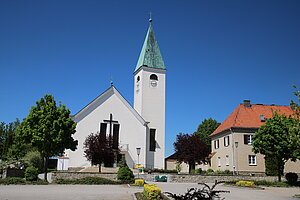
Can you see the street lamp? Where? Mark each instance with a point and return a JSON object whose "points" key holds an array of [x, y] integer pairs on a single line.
{"points": [[138, 151], [237, 158]]}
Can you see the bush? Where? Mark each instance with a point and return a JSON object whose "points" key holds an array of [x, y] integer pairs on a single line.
{"points": [[151, 191], [263, 183], [86, 181], [125, 175], [223, 172], [12, 181], [245, 183], [209, 171], [122, 162], [139, 182], [31, 173], [291, 178], [34, 159], [167, 171]]}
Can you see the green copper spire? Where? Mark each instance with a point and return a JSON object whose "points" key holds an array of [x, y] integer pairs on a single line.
{"points": [[150, 55]]}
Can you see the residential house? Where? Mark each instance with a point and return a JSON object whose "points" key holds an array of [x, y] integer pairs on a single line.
{"points": [[232, 140]]}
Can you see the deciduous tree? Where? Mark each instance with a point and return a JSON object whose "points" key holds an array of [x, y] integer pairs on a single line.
{"points": [[49, 129], [191, 149], [7, 137], [99, 149], [207, 127], [273, 140], [295, 131]]}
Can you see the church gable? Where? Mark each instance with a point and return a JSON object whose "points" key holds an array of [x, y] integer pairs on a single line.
{"points": [[111, 115], [101, 99]]}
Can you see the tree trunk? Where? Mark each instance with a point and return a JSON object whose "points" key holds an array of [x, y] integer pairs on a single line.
{"points": [[99, 168], [46, 159], [279, 173], [192, 166]]}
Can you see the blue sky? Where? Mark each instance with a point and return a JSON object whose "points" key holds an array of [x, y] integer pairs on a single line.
{"points": [[217, 52]]}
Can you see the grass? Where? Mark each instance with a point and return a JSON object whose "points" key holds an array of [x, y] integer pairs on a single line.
{"points": [[21, 181]]}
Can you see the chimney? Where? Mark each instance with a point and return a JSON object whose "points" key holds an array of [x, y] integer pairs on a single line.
{"points": [[247, 103]]}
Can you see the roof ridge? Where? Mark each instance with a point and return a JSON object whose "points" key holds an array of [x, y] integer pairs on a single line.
{"points": [[236, 116]]}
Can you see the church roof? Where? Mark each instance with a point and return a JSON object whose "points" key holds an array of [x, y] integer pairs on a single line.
{"points": [[102, 98], [150, 55], [251, 116]]}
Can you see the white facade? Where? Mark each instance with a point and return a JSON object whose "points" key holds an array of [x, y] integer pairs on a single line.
{"points": [[149, 102], [132, 127]]}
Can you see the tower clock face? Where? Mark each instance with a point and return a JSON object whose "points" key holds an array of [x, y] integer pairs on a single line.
{"points": [[153, 83]]}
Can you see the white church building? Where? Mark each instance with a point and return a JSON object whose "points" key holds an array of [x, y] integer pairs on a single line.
{"points": [[138, 128]]}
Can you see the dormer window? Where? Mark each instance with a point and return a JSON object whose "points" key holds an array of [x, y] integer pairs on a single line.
{"points": [[262, 118], [153, 77]]}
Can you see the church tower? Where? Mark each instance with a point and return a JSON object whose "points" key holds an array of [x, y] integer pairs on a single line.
{"points": [[149, 98]]}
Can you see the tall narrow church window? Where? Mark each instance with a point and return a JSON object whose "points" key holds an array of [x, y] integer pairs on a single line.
{"points": [[153, 77], [103, 127], [116, 136], [152, 140], [138, 79]]}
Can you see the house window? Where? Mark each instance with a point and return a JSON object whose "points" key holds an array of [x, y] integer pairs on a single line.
{"points": [[219, 161], [252, 159], [227, 160], [248, 139], [216, 142], [226, 141], [152, 140]]}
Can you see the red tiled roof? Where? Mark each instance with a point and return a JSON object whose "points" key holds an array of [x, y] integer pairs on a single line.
{"points": [[249, 117]]}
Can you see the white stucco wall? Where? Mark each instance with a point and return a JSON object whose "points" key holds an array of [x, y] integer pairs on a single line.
{"points": [[149, 102], [132, 131]]}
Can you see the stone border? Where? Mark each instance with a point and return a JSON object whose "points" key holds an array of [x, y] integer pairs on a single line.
{"points": [[172, 178]]}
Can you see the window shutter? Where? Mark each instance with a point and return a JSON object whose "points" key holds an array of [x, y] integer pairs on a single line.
{"points": [[225, 142], [152, 140], [116, 136], [103, 131], [245, 139]]}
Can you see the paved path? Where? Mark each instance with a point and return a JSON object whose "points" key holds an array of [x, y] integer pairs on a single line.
{"points": [[123, 192], [67, 192], [236, 193]]}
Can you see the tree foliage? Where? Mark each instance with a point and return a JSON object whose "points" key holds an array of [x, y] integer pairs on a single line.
{"points": [[7, 138], [99, 149], [295, 131], [48, 128], [273, 140], [191, 149], [207, 127]]}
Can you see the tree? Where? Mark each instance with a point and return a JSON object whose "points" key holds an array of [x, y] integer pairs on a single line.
{"points": [[207, 127], [49, 129], [295, 131], [191, 149], [99, 149], [273, 140], [7, 137]]}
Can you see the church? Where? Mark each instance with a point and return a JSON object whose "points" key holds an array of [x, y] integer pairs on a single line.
{"points": [[139, 130]]}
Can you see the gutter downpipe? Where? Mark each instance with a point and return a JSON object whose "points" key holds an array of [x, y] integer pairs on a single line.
{"points": [[232, 144]]}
